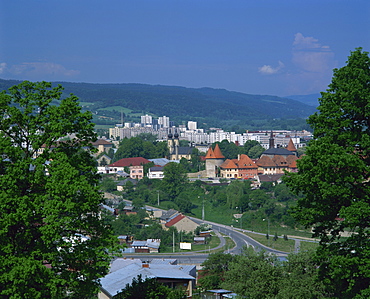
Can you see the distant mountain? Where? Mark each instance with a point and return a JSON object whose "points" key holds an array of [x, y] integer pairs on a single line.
{"points": [[208, 106], [309, 99]]}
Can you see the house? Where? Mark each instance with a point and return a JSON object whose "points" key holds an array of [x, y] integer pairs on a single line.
{"points": [[110, 210], [121, 184], [148, 246], [270, 178], [137, 172], [160, 161], [126, 162], [205, 233], [241, 168], [103, 160], [102, 145], [182, 223], [128, 210], [155, 172], [123, 271], [220, 294], [276, 160], [125, 239], [199, 240], [167, 215]]}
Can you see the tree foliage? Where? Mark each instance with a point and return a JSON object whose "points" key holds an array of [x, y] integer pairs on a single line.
{"points": [[52, 242], [334, 178], [230, 150], [258, 275], [140, 146], [149, 288], [214, 270], [174, 180]]}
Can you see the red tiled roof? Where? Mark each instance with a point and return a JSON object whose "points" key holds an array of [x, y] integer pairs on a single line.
{"points": [[217, 152], [129, 162], [265, 161], [293, 164], [279, 161], [175, 220], [102, 141], [214, 153], [246, 162], [210, 154], [291, 146], [292, 161], [229, 164]]}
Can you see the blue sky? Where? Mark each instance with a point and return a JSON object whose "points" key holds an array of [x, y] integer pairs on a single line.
{"points": [[276, 47]]}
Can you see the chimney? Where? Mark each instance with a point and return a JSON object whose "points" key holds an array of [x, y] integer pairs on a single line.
{"points": [[145, 264]]}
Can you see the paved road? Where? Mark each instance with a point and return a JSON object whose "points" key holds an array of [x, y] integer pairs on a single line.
{"points": [[240, 239], [198, 257]]}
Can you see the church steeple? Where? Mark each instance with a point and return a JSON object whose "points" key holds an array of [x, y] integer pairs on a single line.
{"points": [[271, 140]]}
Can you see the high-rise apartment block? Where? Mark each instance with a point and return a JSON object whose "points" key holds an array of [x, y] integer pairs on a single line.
{"points": [[192, 125], [146, 120], [164, 121], [160, 127]]}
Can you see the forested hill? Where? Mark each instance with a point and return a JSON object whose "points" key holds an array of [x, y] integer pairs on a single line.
{"points": [[210, 107]]}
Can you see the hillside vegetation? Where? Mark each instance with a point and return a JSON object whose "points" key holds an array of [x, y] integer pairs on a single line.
{"points": [[209, 107]]}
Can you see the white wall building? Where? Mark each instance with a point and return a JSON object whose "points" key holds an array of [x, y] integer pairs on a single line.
{"points": [[146, 120], [192, 125], [164, 121]]}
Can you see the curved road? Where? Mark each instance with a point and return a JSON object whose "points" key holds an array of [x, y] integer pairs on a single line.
{"points": [[199, 257], [240, 239]]}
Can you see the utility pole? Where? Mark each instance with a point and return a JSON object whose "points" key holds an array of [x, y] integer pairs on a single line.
{"points": [[173, 241], [158, 197], [203, 211]]}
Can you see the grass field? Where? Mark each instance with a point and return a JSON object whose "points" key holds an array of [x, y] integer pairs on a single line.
{"points": [[213, 242], [117, 108]]}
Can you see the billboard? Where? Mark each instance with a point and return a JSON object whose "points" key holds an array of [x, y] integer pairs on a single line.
{"points": [[184, 245]]}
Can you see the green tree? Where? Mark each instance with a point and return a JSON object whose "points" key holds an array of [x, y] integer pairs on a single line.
{"points": [[108, 185], [300, 278], [162, 149], [333, 177], [229, 149], [215, 268], [256, 151], [129, 148], [254, 275], [174, 180], [49, 197], [147, 137], [103, 162], [149, 288], [249, 144]]}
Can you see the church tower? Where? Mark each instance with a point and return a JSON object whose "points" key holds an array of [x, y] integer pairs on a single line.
{"points": [[271, 140], [214, 159], [176, 144], [170, 143]]}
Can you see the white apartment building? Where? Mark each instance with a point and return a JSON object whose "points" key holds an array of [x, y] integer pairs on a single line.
{"points": [[198, 136], [192, 125], [164, 121], [146, 120]]}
